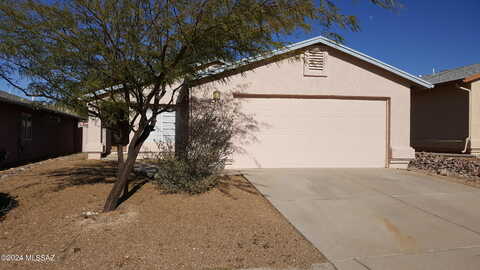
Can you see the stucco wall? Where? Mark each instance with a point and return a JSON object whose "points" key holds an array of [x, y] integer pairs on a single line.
{"points": [[439, 119], [346, 76], [475, 113], [52, 135], [93, 144]]}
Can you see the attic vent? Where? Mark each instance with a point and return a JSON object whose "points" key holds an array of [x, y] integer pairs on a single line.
{"points": [[315, 60]]}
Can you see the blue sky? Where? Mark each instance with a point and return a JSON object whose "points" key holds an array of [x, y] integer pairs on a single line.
{"points": [[423, 35]]}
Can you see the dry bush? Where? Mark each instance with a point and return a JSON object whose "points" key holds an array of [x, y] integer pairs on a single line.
{"points": [[214, 125]]}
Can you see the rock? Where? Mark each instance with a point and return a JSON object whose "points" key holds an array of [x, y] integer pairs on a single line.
{"points": [[443, 172], [89, 214], [459, 166], [148, 170]]}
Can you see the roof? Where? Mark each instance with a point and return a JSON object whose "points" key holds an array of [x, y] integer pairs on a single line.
{"points": [[16, 100], [472, 78], [224, 66], [332, 44], [453, 74]]}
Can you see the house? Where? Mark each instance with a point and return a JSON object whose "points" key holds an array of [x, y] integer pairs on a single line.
{"points": [[319, 104], [446, 118], [31, 131]]}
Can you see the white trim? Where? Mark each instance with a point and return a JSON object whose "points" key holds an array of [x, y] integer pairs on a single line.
{"points": [[332, 44], [300, 45]]}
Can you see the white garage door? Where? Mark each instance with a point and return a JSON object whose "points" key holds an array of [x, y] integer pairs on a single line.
{"points": [[314, 133]]}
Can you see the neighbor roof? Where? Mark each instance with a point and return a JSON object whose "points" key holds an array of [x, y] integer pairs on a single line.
{"points": [[13, 99], [335, 45], [453, 74]]}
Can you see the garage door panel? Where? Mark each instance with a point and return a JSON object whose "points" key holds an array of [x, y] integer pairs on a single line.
{"points": [[315, 133]]}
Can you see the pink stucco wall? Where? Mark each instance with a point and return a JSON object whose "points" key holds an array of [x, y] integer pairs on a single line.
{"points": [[346, 76]]}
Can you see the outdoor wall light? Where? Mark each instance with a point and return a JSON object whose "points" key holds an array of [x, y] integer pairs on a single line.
{"points": [[216, 95]]}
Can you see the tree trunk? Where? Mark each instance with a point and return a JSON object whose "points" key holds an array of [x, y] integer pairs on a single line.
{"points": [[121, 162], [182, 119], [135, 144], [122, 177]]}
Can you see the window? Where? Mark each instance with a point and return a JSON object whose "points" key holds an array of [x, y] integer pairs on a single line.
{"points": [[26, 126], [165, 128], [315, 60]]}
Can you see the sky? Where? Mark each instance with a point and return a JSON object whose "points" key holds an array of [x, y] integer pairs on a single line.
{"points": [[422, 36]]}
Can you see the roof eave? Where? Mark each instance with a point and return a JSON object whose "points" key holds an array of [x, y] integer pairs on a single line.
{"points": [[472, 78], [316, 40], [32, 106], [371, 60]]}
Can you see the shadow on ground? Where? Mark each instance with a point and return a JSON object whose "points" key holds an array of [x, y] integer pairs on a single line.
{"points": [[7, 203], [227, 183], [134, 186], [90, 174]]}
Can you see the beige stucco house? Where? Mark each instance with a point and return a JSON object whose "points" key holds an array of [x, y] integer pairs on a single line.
{"points": [[446, 118], [319, 104]]}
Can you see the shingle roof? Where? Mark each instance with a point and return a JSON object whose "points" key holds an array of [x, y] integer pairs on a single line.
{"points": [[452, 74], [13, 99]]}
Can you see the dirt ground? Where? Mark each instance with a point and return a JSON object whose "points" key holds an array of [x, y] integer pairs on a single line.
{"points": [[232, 226]]}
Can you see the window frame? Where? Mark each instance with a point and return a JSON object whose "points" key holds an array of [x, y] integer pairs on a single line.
{"points": [[26, 127]]}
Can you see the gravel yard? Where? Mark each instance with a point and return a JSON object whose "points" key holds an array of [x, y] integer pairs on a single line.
{"points": [[59, 201], [460, 168]]}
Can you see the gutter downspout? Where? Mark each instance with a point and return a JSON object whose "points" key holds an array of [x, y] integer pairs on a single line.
{"points": [[468, 139]]}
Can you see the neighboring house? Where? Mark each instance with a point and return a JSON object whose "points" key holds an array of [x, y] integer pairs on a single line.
{"points": [[446, 118], [318, 104], [30, 131]]}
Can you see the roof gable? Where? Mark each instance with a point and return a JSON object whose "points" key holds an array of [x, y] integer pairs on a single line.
{"points": [[330, 43]]}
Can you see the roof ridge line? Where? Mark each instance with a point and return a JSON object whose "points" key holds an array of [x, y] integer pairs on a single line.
{"points": [[333, 44]]}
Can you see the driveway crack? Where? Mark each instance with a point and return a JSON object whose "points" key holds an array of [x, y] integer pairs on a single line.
{"points": [[438, 216], [422, 210], [361, 263]]}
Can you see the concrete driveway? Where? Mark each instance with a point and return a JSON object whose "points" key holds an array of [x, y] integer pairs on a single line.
{"points": [[378, 219]]}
